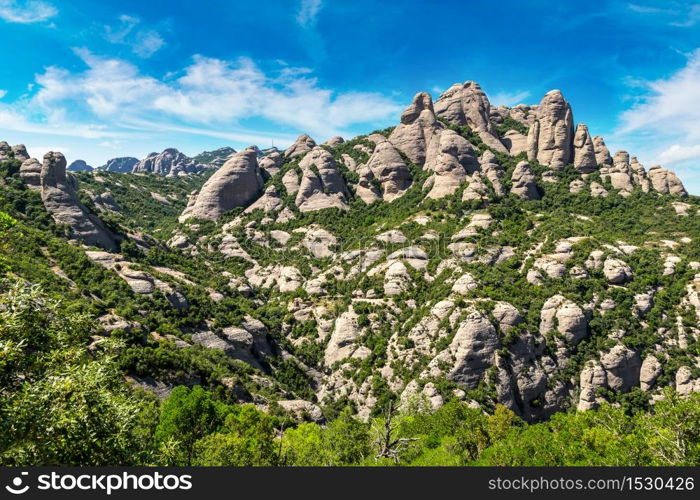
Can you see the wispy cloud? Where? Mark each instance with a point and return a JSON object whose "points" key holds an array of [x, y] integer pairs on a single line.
{"points": [[508, 98], [673, 13], [3, 93], [144, 42], [212, 97], [25, 12], [308, 12], [664, 123]]}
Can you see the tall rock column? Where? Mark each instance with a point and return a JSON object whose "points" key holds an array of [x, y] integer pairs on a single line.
{"points": [[551, 137], [584, 152], [58, 192]]}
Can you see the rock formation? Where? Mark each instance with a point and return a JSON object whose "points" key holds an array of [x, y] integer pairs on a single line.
{"points": [[121, 165], [58, 192], [390, 171], [584, 151], [303, 144], [523, 180], [417, 130], [321, 184], [79, 166], [236, 184], [467, 104], [550, 139], [170, 162]]}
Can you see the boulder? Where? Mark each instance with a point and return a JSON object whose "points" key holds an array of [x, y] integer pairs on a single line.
{"points": [[270, 201], [617, 272], [515, 142], [472, 350], [666, 182], [622, 367], [334, 141], [271, 164], [396, 280], [236, 184], [649, 372], [342, 343], [593, 377], [560, 314], [523, 182]]}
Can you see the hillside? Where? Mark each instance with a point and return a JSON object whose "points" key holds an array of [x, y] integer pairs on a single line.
{"points": [[474, 267]]}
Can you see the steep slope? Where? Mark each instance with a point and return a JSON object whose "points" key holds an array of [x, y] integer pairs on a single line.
{"points": [[486, 255]]}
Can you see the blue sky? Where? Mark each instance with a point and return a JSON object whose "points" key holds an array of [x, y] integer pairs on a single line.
{"points": [[103, 79]]}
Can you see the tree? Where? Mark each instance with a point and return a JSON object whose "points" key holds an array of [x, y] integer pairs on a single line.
{"points": [[246, 439], [60, 405], [186, 417]]}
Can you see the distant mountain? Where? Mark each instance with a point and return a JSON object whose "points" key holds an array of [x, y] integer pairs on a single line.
{"points": [[121, 165], [216, 158], [170, 162], [80, 166]]}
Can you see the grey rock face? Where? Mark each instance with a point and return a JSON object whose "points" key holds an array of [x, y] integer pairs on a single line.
{"points": [[649, 372], [467, 104], [18, 152], [550, 139], [666, 182], [417, 130], [271, 164], [515, 142], [121, 165], [567, 318], [602, 154], [622, 366], [79, 166], [321, 184], [334, 141], [170, 162], [301, 146], [616, 271], [455, 159], [236, 184], [584, 151], [473, 349], [524, 185], [30, 172], [389, 169], [58, 192]]}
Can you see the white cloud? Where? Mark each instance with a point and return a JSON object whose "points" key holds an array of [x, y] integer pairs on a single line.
{"points": [[211, 94], [308, 12], [671, 107], [663, 125], [508, 98], [144, 42], [3, 93], [25, 12], [677, 153]]}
